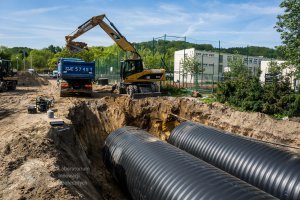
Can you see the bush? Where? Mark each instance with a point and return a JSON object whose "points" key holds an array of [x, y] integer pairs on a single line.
{"points": [[294, 107], [255, 106], [247, 93]]}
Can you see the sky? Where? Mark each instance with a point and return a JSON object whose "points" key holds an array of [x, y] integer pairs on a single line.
{"points": [[40, 23]]}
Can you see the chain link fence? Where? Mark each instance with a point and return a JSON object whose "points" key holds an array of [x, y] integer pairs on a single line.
{"points": [[108, 68], [213, 62]]}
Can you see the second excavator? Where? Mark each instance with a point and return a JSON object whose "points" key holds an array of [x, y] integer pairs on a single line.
{"points": [[136, 80]]}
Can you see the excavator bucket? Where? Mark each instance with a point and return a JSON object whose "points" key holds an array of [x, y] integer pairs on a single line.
{"points": [[76, 47]]}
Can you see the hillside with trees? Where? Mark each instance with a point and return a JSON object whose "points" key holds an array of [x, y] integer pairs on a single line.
{"points": [[155, 55]]}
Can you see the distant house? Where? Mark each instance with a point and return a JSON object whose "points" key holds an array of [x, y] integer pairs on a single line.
{"points": [[265, 73]]}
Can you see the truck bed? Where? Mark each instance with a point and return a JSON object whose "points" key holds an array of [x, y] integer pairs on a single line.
{"points": [[76, 69]]}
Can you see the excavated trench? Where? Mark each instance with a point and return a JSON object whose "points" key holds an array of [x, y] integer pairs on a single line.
{"points": [[80, 144]]}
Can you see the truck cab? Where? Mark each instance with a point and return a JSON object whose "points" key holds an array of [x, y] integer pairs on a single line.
{"points": [[54, 73], [8, 78]]}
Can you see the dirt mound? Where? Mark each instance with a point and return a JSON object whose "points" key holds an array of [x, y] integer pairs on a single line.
{"points": [[28, 79], [28, 162]]}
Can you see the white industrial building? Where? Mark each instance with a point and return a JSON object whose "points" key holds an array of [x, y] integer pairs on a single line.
{"points": [[213, 64]]}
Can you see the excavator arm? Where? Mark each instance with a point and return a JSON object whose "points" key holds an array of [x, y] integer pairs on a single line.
{"points": [[110, 29]]}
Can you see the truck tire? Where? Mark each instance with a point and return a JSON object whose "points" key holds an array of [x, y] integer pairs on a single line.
{"points": [[120, 89], [14, 85], [61, 94], [154, 87], [135, 89], [130, 91], [3, 87]]}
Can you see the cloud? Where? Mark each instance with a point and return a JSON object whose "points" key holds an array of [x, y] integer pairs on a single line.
{"points": [[51, 27], [37, 11], [170, 8], [193, 27], [16, 37], [255, 9], [142, 18]]}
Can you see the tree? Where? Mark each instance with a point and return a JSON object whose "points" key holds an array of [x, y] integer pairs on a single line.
{"points": [[288, 26], [237, 67], [40, 58], [192, 66], [54, 49], [5, 53], [274, 67], [16, 60]]}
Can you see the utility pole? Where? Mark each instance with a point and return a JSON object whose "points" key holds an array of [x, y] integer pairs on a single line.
{"points": [[247, 56], [153, 47], [24, 59], [17, 63], [183, 61], [186, 84], [213, 82], [202, 70], [31, 61], [219, 64]]}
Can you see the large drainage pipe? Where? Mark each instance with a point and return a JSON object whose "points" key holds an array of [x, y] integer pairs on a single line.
{"points": [[269, 168], [152, 169]]}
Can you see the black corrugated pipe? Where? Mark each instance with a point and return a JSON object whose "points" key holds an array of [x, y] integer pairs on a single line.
{"points": [[152, 169], [271, 169]]}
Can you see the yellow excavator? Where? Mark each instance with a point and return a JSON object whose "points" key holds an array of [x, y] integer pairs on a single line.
{"points": [[136, 80]]}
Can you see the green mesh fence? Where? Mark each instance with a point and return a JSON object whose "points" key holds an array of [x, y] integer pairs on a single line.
{"points": [[108, 68]]}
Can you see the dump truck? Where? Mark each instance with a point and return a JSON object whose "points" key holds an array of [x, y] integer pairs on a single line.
{"points": [[8, 78], [75, 76]]}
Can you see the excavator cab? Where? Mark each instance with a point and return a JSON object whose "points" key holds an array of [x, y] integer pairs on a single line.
{"points": [[130, 67]]}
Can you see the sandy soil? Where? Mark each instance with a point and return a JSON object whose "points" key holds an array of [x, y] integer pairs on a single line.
{"points": [[43, 162]]}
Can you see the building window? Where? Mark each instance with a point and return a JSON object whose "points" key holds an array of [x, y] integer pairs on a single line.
{"points": [[221, 59], [211, 65], [229, 58], [198, 54], [250, 60], [211, 55], [204, 64], [220, 68]]}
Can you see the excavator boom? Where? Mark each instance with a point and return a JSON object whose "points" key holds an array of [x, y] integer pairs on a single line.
{"points": [[111, 30]]}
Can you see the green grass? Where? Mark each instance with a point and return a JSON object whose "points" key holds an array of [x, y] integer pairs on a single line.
{"points": [[208, 100], [279, 116]]}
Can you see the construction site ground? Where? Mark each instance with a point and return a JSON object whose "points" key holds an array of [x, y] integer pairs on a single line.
{"points": [[65, 162]]}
